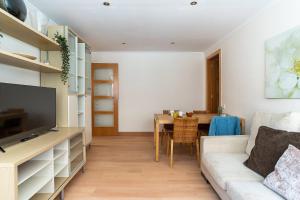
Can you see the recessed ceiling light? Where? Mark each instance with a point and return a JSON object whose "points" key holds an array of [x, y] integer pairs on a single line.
{"points": [[172, 43], [124, 43], [105, 3], [193, 3]]}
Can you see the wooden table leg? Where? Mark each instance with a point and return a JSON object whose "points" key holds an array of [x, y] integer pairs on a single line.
{"points": [[156, 136]]}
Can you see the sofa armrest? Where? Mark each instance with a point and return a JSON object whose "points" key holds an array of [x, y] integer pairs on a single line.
{"points": [[224, 144]]}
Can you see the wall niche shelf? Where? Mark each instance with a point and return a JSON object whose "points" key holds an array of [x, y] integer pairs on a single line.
{"points": [[25, 63], [18, 29]]}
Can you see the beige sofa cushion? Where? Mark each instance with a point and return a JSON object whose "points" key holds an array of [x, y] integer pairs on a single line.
{"points": [[225, 167], [290, 122], [251, 190], [264, 119]]}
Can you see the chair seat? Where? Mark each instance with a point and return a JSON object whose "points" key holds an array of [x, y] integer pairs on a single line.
{"points": [[168, 127]]}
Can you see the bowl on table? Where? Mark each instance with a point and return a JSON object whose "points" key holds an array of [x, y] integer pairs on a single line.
{"points": [[189, 114]]}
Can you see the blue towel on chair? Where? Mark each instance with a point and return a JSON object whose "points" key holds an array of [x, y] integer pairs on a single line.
{"points": [[228, 125]]}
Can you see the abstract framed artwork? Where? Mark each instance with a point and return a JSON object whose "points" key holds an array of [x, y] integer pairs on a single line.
{"points": [[283, 65]]}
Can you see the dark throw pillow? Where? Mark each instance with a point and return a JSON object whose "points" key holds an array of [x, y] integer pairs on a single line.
{"points": [[270, 144]]}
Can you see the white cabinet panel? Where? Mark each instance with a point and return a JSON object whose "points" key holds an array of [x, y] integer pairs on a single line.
{"points": [[88, 119], [73, 111]]}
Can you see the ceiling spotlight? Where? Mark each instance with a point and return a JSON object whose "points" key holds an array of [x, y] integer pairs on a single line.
{"points": [[105, 3], [193, 3], [172, 43], [124, 43]]}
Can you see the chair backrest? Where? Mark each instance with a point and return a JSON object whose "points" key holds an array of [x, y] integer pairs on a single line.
{"points": [[185, 130], [166, 112], [200, 112]]}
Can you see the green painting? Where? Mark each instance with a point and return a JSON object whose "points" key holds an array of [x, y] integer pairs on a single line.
{"points": [[283, 65]]}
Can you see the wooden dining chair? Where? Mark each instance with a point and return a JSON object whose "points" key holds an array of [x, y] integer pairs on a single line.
{"points": [[200, 112], [185, 132], [202, 128], [167, 128]]}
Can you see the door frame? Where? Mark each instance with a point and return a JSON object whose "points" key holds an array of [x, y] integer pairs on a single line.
{"points": [[208, 64], [107, 130]]}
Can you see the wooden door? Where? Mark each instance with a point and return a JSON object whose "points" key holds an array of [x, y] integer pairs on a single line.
{"points": [[105, 97], [213, 82]]}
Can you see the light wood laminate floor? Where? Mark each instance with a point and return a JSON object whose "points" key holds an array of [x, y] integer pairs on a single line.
{"points": [[123, 168]]}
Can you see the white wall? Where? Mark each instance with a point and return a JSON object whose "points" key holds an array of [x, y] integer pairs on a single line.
{"points": [[10, 74], [243, 60], [153, 81]]}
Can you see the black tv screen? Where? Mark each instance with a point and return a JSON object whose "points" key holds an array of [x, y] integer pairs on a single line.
{"points": [[26, 110]]}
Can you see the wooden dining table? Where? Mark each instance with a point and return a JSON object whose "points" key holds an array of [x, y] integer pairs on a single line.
{"points": [[161, 119]]}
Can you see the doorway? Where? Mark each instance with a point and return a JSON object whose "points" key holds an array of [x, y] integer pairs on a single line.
{"points": [[213, 82], [105, 98]]}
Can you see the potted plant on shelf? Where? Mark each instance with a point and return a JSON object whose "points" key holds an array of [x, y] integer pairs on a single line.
{"points": [[65, 55]]}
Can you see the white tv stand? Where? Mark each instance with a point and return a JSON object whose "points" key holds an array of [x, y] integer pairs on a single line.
{"points": [[40, 168]]}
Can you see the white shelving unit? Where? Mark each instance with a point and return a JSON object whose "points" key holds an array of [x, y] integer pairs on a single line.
{"points": [[84, 90], [76, 152], [39, 177], [36, 176], [81, 84], [30, 168], [61, 162]]}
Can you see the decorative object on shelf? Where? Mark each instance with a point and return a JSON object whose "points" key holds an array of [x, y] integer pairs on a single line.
{"points": [[1, 36], [189, 114], [283, 65], [16, 8], [221, 111], [33, 18], [65, 55], [177, 114], [166, 112], [43, 23], [26, 56]]}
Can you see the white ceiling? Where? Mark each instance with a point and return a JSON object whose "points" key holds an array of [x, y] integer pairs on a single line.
{"points": [[151, 25]]}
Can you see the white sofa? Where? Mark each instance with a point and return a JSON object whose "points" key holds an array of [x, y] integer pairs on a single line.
{"points": [[222, 159], [222, 165]]}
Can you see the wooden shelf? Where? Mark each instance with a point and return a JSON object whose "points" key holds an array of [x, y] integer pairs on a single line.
{"points": [[59, 181], [58, 153], [75, 144], [58, 167], [76, 153], [75, 140], [25, 162], [25, 63], [30, 168], [41, 196], [77, 163], [32, 186], [18, 29]]}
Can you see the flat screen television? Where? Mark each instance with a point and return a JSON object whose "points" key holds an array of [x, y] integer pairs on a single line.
{"points": [[25, 111]]}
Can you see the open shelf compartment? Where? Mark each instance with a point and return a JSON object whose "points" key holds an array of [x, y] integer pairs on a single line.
{"points": [[35, 183], [18, 29], [25, 63]]}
